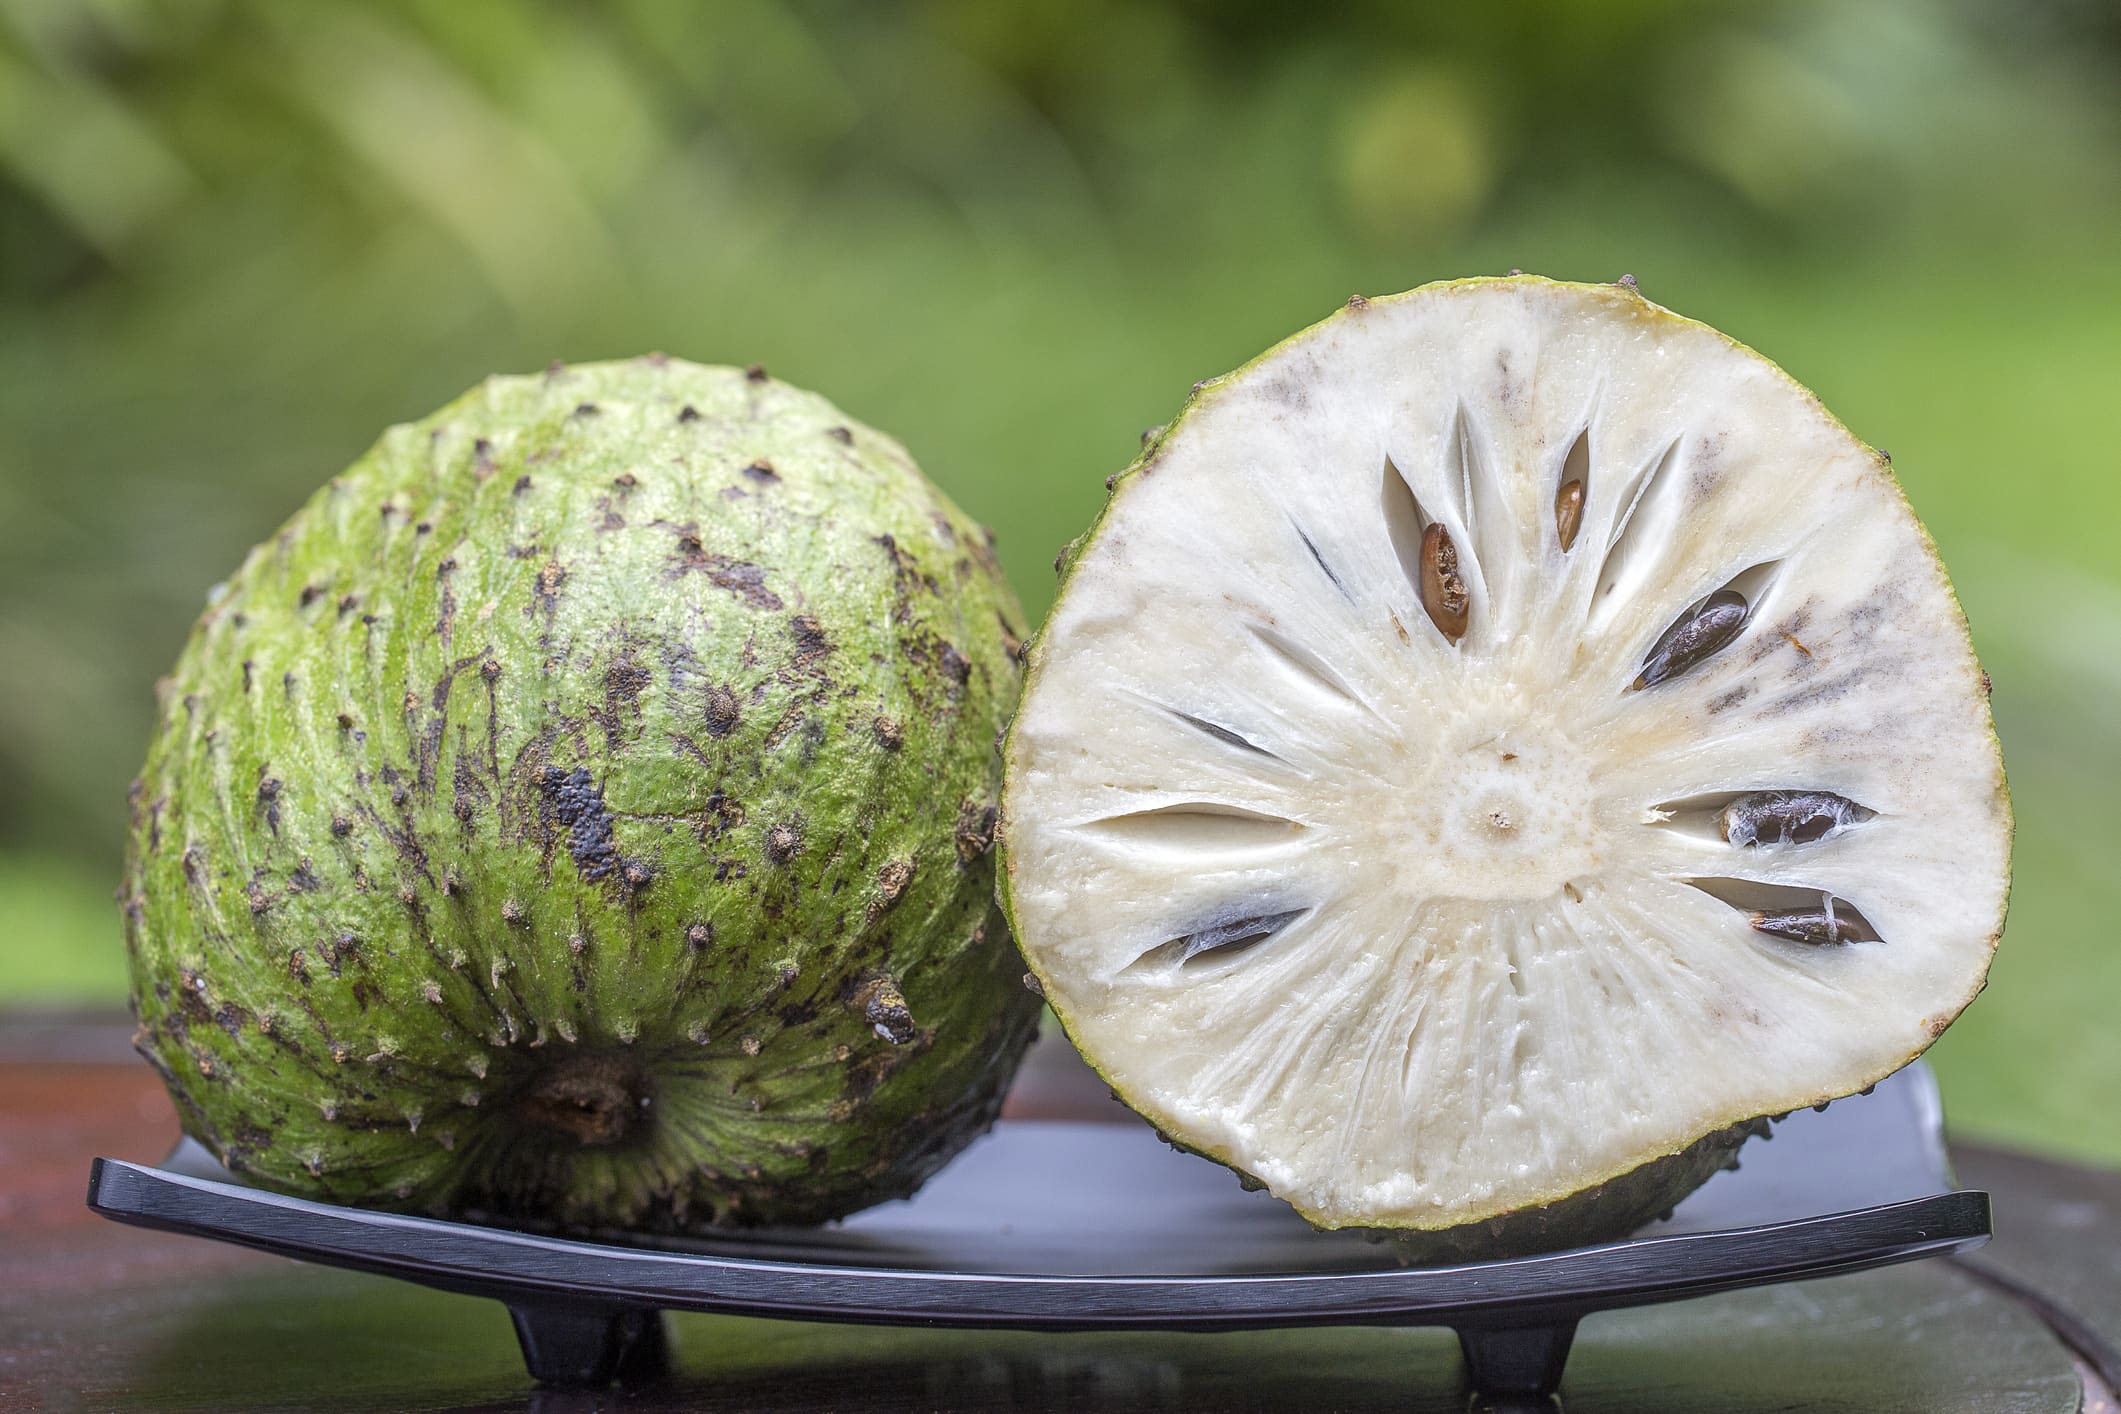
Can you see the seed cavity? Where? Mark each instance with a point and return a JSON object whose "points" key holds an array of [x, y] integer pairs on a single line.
{"points": [[1814, 917], [1834, 921], [1443, 588], [1706, 628], [1760, 817], [1221, 733], [1575, 486], [1220, 938], [1207, 827], [1319, 558], [1639, 534], [1307, 667], [1772, 817]]}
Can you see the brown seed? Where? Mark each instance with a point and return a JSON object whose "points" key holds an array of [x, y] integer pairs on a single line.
{"points": [[1443, 589], [1788, 817], [1703, 630], [1568, 512], [1834, 921]]}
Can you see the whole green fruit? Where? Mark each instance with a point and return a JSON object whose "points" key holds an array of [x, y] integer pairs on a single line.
{"points": [[579, 815]]}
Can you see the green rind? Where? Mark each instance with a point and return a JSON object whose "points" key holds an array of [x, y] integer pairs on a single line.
{"points": [[1612, 1204], [625, 733]]}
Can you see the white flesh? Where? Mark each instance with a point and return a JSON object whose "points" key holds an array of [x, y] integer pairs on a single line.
{"points": [[1498, 987]]}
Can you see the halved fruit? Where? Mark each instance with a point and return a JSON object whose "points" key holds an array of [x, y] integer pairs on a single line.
{"points": [[1493, 750]]}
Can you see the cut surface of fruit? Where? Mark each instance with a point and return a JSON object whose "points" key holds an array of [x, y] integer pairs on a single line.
{"points": [[1502, 741]]}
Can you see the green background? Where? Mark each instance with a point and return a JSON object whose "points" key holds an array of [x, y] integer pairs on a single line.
{"points": [[239, 237]]}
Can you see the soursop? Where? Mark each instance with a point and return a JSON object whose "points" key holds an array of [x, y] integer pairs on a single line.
{"points": [[1494, 751], [579, 815]]}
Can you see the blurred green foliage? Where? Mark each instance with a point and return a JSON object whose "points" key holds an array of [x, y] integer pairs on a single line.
{"points": [[238, 237]]}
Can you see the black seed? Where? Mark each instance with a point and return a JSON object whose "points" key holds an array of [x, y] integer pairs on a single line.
{"points": [[1706, 628], [1788, 817], [688, 413], [1834, 921]]}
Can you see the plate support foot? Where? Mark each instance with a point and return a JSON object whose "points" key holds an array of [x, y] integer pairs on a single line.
{"points": [[1520, 1366], [572, 1346]]}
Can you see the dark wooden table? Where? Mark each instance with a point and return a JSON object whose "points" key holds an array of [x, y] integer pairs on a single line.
{"points": [[94, 1316]]}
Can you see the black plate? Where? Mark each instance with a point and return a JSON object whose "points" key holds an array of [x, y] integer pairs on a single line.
{"points": [[1074, 1226]]}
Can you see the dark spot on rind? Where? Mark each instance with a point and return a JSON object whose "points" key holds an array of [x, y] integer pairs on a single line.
{"points": [[577, 803], [746, 581], [722, 711], [688, 413], [884, 1008], [891, 880], [762, 472], [889, 734], [840, 434], [784, 839], [811, 644], [975, 831]]}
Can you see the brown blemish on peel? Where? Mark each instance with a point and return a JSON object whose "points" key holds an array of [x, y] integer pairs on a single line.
{"points": [[746, 581]]}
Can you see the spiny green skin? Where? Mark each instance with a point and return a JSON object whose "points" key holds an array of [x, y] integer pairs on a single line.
{"points": [[579, 815], [1604, 1212]]}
